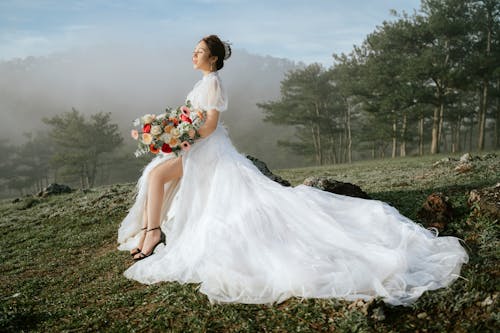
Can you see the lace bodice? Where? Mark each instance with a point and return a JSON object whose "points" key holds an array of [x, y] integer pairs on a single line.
{"points": [[208, 94]]}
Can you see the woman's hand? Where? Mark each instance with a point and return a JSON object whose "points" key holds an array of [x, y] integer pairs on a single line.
{"points": [[210, 123]]}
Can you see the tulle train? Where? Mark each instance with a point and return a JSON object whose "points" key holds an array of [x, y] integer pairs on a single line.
{"points": [[247, 239]]}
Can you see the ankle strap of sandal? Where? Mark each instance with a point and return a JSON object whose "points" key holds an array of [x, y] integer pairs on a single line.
{"points": [[152, 229]]}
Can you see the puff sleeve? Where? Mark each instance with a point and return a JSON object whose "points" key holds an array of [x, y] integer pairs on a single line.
{"points": [[215, 95]]}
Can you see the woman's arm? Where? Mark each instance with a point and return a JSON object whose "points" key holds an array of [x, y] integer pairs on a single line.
{"points": [[210, 124]]}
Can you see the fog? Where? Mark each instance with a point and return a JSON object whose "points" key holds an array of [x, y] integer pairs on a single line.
{"points": [[129, 81]]}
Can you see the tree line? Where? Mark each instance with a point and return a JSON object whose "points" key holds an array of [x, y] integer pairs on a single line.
{"points": [[424, 83], [76, 150]]}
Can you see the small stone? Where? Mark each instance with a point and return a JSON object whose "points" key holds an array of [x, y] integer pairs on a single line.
{"points": [[422, 315], [487, 301], [378, 314], [360, 305], [467, 157]]}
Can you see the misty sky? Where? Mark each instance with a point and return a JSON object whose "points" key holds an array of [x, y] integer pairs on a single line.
{"points": [[134, 57], [307, 31]]}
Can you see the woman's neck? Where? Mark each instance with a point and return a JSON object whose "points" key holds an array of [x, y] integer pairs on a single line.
{"points": [[205, 73]]}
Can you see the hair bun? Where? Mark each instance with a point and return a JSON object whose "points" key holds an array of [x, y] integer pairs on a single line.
{"points": [[227, 49], [218, 48]]}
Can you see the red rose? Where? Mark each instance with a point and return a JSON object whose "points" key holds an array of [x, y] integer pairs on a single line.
{"points": [[186, 119], [146, 128], [166, 148]]}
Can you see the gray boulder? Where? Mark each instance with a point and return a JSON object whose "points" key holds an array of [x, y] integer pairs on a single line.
{"points": [[265, 170], [331, 185], [53, 189]]}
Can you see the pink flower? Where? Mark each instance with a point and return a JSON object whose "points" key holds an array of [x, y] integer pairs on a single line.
{"points": [[185, 111], [135, 134], [185, 145]]}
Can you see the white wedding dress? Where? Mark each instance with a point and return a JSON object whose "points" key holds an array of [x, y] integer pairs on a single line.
{"points": [[247, 239]]}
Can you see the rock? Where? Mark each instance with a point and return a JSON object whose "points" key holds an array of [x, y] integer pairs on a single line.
{"points": [[485, 201], [464, 167], [265, 170], [422, 315], [360, 305], [436, 211], [16, 200], [378, 314], [467, 157], [54, 189], [487, 301], [330, 185]]}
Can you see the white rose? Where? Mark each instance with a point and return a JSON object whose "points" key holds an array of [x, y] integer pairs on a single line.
{"points": [[175, 133], [165, 137], [156, 130], [147, 119]]}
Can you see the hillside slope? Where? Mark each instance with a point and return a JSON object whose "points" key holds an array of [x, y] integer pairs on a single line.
{"points": [[61, 270]]}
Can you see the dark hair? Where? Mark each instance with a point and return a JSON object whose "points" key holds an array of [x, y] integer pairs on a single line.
{"points": [[216, 47]]}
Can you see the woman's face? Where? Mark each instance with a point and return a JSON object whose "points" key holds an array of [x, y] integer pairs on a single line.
{"points": [[202, 59]]}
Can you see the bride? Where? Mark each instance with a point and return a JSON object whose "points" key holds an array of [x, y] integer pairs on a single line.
{"points": [[210, 217]]}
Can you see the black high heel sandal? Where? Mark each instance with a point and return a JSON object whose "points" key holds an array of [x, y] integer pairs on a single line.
{"points": [[137, 250], [162, 240]]}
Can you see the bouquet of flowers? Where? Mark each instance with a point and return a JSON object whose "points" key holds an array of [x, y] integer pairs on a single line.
{"points": [[170, 132]]}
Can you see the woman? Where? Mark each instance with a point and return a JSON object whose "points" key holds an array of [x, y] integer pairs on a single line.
{"points": [[248, 239]]}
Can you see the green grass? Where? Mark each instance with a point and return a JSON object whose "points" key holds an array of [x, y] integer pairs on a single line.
{"points": [[61, 270]]}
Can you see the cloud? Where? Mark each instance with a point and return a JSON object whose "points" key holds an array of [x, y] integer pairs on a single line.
{"points": [[302, 31]]}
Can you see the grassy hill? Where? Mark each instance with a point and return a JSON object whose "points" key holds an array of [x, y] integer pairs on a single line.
{"points": [[61, 270]]}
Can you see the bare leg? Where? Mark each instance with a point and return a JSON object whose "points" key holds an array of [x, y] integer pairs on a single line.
{"points": [[157, 178], [143, 231]]}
